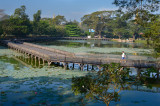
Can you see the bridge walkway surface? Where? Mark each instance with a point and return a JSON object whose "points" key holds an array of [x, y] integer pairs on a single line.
{"points": [[54, 55]]}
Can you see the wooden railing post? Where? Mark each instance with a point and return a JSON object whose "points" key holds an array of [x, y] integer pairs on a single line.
{"points": [[158, 73], [87, 67], [65, 59], [138, 73], [81, 66], [35, 60], [43, 62]]}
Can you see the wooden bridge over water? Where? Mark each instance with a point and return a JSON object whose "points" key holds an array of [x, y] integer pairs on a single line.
{"points": [[62, 38], [51, 55]]}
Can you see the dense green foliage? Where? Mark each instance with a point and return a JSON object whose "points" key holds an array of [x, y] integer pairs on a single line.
{"points": [[18, 24], [59, 20], [138, 21], [112, 24], [99, 21], [105, 86], [72, 29], [1, 30], [144, 18]]}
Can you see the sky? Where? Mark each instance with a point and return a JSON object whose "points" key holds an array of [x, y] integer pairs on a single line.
{"points": [[71, 9]]}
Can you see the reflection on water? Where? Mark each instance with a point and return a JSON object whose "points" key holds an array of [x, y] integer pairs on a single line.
{"points": [[103, 87], [94, 43], [112, 83]]}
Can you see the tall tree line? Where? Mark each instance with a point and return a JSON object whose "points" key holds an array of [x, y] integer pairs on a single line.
{"points": [[144, 13], [137, 22], [19, 25]]}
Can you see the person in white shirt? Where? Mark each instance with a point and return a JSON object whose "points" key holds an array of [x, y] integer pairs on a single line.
{"points": [[123, 56]]}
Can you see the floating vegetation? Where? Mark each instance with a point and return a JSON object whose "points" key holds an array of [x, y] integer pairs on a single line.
{"points": [[25, 84]]}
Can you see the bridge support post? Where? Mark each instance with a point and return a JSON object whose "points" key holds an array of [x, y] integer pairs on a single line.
{"points": [[99, 67], [73, 67], [49, 63], [158, 73], [39, 59], [138, 73], [58, 64], [92, 67], [81, 67], [87, 67], [31, 59], [35, 60], [15, 52], [25, 57], [43, 62], [21, 56], [28, 58], [65, 65]]}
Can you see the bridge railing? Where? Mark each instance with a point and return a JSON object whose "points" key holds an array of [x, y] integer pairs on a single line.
{"points": [[87, 60], [51, 49], [27, 50]]}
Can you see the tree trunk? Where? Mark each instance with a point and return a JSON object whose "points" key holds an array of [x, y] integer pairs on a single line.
{"points": [[119, 36], [107, 104], [99, 34], [133, 36]]}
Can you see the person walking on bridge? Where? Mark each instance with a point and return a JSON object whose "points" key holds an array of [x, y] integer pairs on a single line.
{"points": [[123, 57]]}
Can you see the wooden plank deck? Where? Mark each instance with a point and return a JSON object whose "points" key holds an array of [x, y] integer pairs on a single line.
{"points": [[54, 55]]}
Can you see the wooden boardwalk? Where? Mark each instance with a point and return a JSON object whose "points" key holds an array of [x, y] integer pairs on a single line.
{"points": [[61, 38], [53, 55], [85, 38]]}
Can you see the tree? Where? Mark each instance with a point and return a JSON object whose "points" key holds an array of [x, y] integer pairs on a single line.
{"points": [[97, 20], [60, 31], [143, 12], [48, 20], [72, 29], [18, 24], [105, 86], [59, 20], [119, 32], [134, 5], [51, 30], [42, 27], [37, 16], [1, 30], [36, 23], [153, 32], [135, 29], [119, 24]]}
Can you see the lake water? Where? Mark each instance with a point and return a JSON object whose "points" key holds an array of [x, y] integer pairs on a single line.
{"points": [[103, 49], [23, 84]]}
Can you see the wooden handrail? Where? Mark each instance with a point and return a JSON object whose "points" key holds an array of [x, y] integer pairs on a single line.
{"points": [[62, 56], [51, 49]]}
